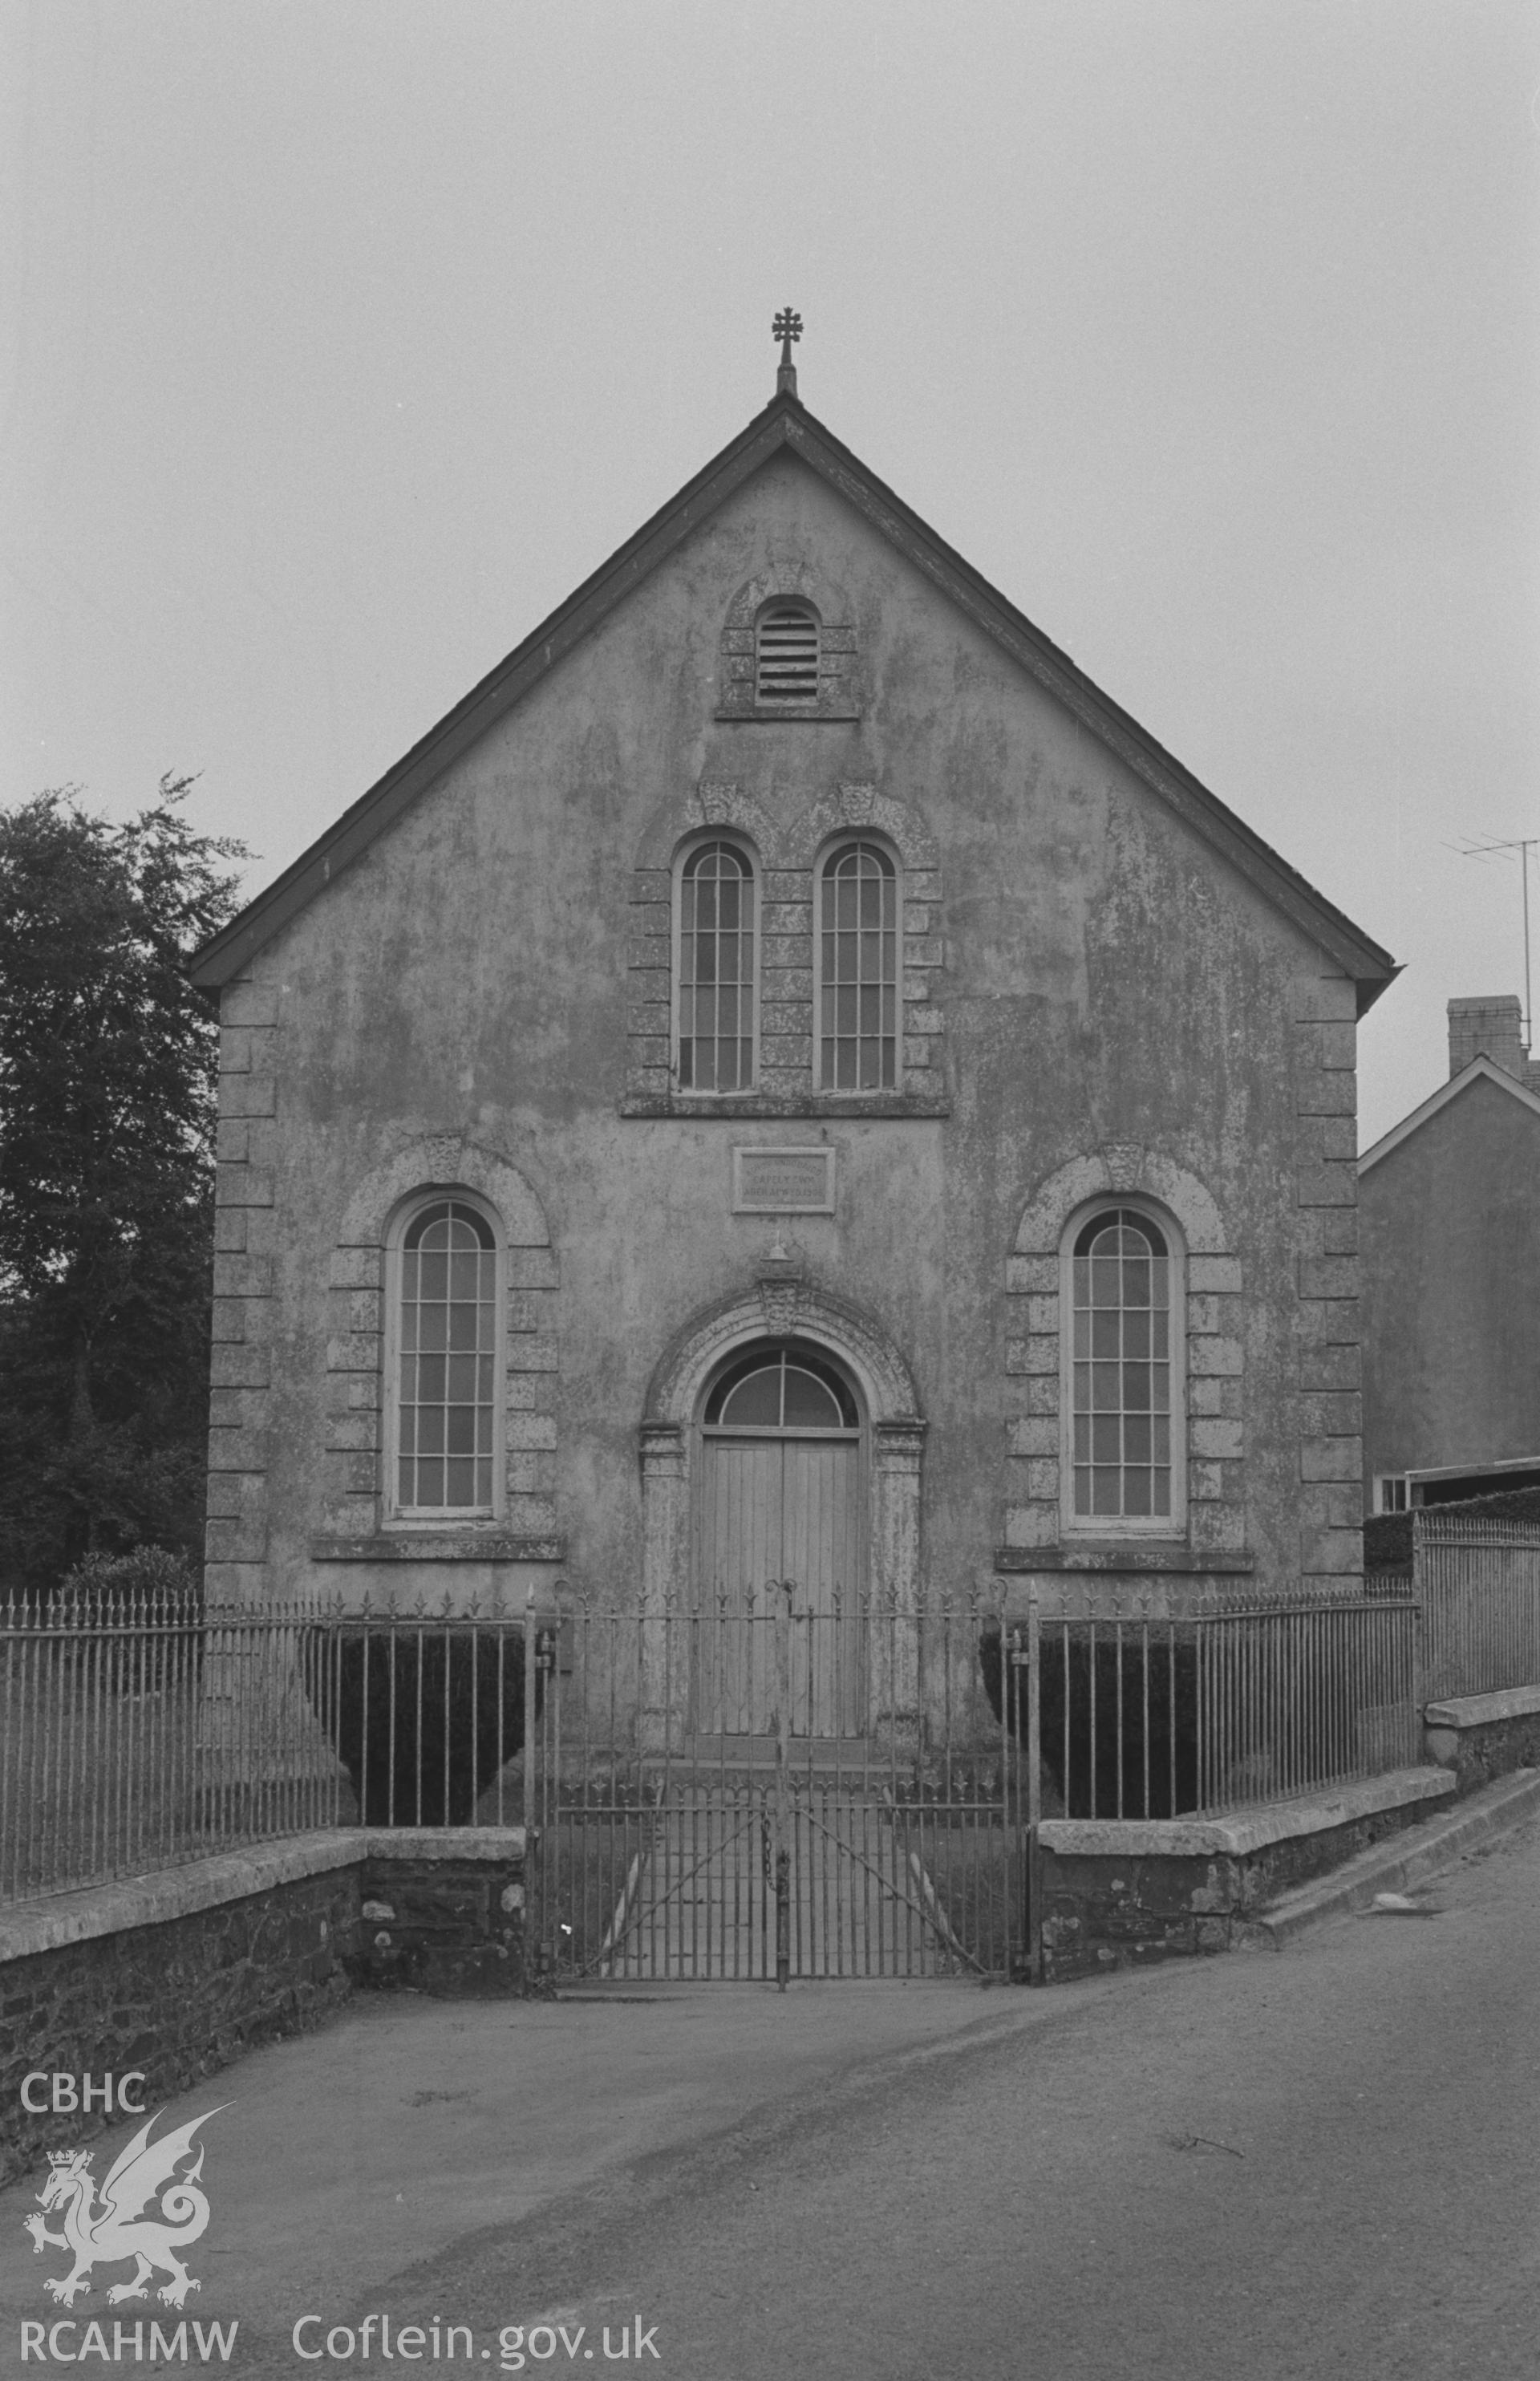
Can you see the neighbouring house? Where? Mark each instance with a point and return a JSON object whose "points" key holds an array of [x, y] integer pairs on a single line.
{"points": [[787, 1081], [1449, 1205]]}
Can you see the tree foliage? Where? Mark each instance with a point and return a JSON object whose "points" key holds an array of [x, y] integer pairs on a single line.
{"points": [[108, 1060]]}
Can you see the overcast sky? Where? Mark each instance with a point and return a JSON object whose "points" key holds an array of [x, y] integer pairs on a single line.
{"points": [[343, 337]]}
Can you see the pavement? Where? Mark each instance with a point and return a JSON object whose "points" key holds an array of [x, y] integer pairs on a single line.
{"points": [[414, 2139]]}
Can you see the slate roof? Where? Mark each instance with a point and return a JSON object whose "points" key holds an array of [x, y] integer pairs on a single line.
{"points": [[786, 423], [1481, 1069]]}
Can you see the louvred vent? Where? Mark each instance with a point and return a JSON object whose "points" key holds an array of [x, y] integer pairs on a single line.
{"points": [[787, 655]]}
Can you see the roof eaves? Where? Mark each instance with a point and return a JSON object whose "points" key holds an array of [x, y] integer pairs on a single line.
{"points": [[1481, 1069], [786, 421], [366, 819], [1371, 966]]}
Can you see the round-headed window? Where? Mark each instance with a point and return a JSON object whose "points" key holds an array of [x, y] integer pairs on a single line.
{"points": [[1122, 1385], [858, 954], [717, 970], [448, 1339]]}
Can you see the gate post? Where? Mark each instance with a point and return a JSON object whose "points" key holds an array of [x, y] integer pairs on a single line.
{"points": [[1035, 1795], [893, 1591], [783, 1784], [665, 1566], [538, 1711]]}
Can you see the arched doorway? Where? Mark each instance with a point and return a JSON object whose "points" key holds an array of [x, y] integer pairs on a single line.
{"points": [[780, 1540]]}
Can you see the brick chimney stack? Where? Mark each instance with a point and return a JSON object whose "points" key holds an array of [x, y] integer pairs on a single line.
{"points": [[1491, 1026]]}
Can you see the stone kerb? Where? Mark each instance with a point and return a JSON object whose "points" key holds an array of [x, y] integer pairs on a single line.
{"points": [[354, 1498], [1214, 1348]]}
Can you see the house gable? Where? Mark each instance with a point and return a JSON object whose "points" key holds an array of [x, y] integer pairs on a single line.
{"points": [[1449, 1225], [1481, 1069]]}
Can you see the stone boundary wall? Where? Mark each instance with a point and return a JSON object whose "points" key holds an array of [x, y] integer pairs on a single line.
{"points": [[180, 1974], [179, 2000], [1127, 1903], [1480, 1737], [443, 1915]]}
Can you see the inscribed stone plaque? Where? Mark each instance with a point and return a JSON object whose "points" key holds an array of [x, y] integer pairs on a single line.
{"points": [[783, 1182]]}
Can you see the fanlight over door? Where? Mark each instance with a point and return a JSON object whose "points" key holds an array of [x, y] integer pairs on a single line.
{"points": [[781, 1498]]}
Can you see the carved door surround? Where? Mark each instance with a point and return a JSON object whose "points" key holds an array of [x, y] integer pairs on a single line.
{"points": [[782, 1304]]}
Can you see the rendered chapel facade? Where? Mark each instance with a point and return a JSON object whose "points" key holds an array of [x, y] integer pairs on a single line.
{"points": [[786, 1081]]}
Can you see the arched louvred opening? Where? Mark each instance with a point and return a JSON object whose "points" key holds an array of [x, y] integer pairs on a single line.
{"points": [[786, 654]]}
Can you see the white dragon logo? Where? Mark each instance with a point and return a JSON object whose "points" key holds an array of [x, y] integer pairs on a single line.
{"points": [[119, 2227]]}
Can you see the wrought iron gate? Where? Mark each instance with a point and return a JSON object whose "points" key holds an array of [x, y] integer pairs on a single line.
{"points": [[689, 1824]]}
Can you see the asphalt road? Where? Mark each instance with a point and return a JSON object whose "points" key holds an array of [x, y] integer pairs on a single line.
{"points": [[1275, 2166]]}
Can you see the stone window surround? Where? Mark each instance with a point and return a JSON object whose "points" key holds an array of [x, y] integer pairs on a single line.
{"points": [[1037, 1533], [787, 858], [358, 1522], [839, 688]]}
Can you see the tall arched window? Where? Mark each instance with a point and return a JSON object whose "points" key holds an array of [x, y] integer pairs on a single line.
{"points": [[1124, 1384], [786, 654], [446, 1362], [714, 1043], [858, 976]]}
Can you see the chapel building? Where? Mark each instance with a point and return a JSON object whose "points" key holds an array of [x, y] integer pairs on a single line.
{"points": [[787, 1081]]}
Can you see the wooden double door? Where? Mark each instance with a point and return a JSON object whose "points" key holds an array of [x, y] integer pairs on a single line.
{"points": [[781, 1509]]}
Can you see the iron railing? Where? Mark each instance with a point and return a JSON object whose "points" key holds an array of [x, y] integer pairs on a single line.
{"points": [[1478, 1582], [139, 1731], [1143, 1715], [891, 1758]]}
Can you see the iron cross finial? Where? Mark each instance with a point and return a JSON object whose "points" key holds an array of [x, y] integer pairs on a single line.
{"points": [[787, 326]]}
